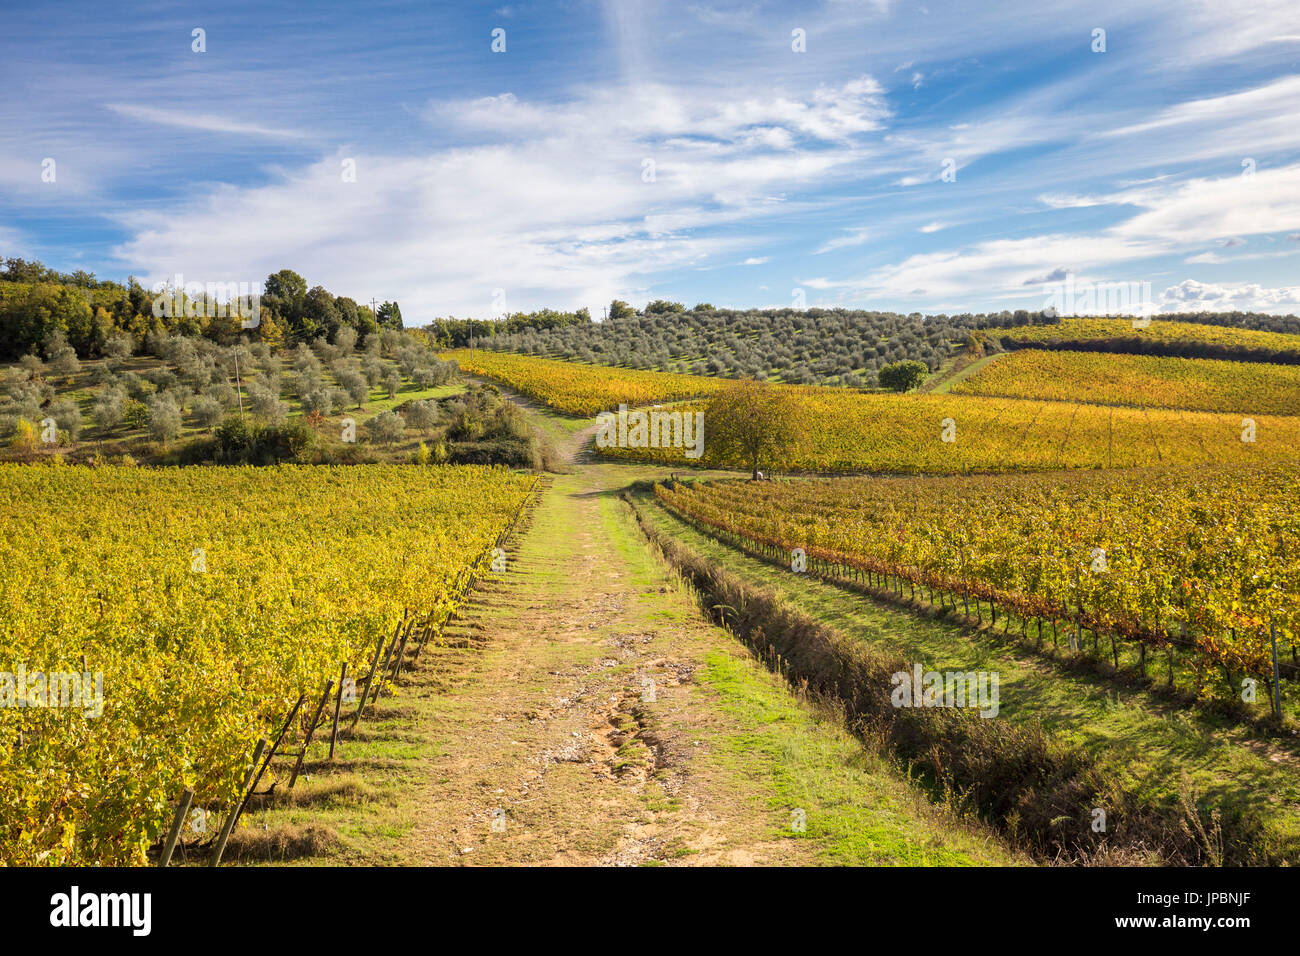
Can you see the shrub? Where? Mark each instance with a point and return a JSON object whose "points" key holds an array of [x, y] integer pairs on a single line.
{"points": [[373, 369], [319, 400], [345, 339], [266, 402], [903, 376], [118, 346], [386, 428], [64, 362], [240, 441], [355, 384], [137, 387], [207, 411], [135, 414], [421, 415], [164, 418], [67, 416], [223, 393], [25, 436]]}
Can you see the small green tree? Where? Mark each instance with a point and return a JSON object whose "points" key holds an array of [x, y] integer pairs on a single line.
{"points": [[663, 307], [164, 418], [903, 376], [136, 414], [422, 416], [207, 411], [752, 423], [389, 316], [618, 309], [386, 428], [109, 408]]}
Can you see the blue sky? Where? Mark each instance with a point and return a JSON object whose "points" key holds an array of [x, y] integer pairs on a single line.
{"points": [[679, 150]]}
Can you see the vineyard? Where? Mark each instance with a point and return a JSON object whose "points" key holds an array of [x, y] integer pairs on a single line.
{"points": [[1160, 333], [1190, 570], [846, 431], [852, 431], [1252, 388], [584, 390], [210, 601]]}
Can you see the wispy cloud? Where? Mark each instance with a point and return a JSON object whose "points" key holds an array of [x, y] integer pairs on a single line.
{"points": [[205, 122], [692, 144], [855, 237]]}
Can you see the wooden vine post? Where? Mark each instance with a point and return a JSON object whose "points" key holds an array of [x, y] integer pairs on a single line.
{"points": [[182, 808], [338, 704], [311, 730], [1277, 689], [229, 825]]}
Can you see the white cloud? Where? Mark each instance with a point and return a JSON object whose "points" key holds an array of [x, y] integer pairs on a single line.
{"points": [[1192, 296], [1205, 210], [855, 237], [538, 212], [1170, 219], [651, 111], [1066, 201], [205, 122]]}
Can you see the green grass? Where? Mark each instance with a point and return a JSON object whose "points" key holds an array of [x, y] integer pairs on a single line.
{"points": [[380, 402], [856, 809], [946, 384], [859, 810], [1149, 740]]}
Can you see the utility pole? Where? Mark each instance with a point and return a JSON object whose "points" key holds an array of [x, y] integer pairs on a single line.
{"points": [[239, 388]]}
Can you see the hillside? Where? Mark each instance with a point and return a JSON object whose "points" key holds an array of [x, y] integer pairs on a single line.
{"points": [[1251, 388], [1164, 337]]}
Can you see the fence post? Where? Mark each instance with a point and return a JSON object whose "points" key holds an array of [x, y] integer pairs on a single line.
{"points": [[400, 658], [365, 691], [311, 730], [235, 811], [338, 703], [269, 756], [1277, 689], [181, 809], [388, 662]]}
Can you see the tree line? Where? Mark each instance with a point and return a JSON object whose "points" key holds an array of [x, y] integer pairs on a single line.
{"points": [[39, 305], [851, 347]]}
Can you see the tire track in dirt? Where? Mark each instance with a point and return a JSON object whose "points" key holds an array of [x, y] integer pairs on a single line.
{"points": [[572, 742]]}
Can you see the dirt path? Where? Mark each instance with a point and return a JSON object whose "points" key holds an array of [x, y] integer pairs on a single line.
{"points": [[585, 713], [595, 718], [576, 733]]}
